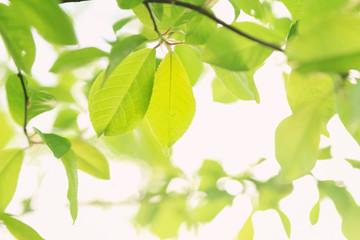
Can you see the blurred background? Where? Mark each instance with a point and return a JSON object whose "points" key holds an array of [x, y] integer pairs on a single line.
{"points": [[235, 135]]}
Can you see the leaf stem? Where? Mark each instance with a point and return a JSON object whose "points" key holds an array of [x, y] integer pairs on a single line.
{"points": [[26, 101], [208, 14]]}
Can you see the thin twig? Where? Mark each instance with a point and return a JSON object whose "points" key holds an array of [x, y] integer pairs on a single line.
{"points": [[26, 101], [214, 18], [68, 1]]}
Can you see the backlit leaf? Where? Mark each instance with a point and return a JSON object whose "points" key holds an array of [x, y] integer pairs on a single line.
{"points": [[199, 30], [220, 93], [118, 105], [172, 104], [297, 140], [285, 221], [207, 209], [69, 161], [314, 213], [354, 163], [6, 131], [18, 229], [251, 7], [10, 165], [57, 144], [325, 153], [121, 49], [90, 160], [191, 62], [76, 58], [247, 231], [240, 84], [347, 97], [122, 22], [17, 38], [48, 19], [229, 50], [295, 7], [128, 4]]}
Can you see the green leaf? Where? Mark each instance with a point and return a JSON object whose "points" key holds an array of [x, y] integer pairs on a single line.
{"points": [[76, 58], [229, 50], [247, 231], [199, 30], [66, 119], [118, 105], [297, 140], [172, 104], [139, 144], [324, 153], [10, 165], [128, 4], [122, 22], [251, 7], [49, 20], [285, 221], [209, 173], [17, 38], [69, 161], [305, 89], [220, 93], [165, 216], [6, 131], [236, 6], [191, 62], [354, 163], [18, 229], [121, 49], [346, 207], [90, 160], [240, 84], [209, 208], [314, 213], [347, 97], [58, 145], [295, 7], [327, 44], [39, 101]]}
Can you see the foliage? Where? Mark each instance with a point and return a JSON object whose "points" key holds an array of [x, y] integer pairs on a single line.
{"points": [[142, 103]]}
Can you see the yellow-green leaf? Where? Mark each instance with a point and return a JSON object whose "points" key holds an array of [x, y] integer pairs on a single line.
{"points": [[172, 104], [117, 106], [69, 161], [247, 231], [314, 213], [18, 229], [90, 160], [10, 165]]}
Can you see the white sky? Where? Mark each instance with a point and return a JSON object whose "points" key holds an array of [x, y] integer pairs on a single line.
{"points": [[235, 134]]}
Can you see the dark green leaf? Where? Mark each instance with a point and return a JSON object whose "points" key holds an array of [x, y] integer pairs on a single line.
{"points": [[58, 145], [48, 19], [17, 38], [18, 229], [69, 161], [122, 22], [191, 62], [90, 160], [10, 165], [121, 49], [76, 58]]}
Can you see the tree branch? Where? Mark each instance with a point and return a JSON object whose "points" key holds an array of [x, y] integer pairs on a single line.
{"points": [[219, 21], [68, 1], [26, 101]]}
